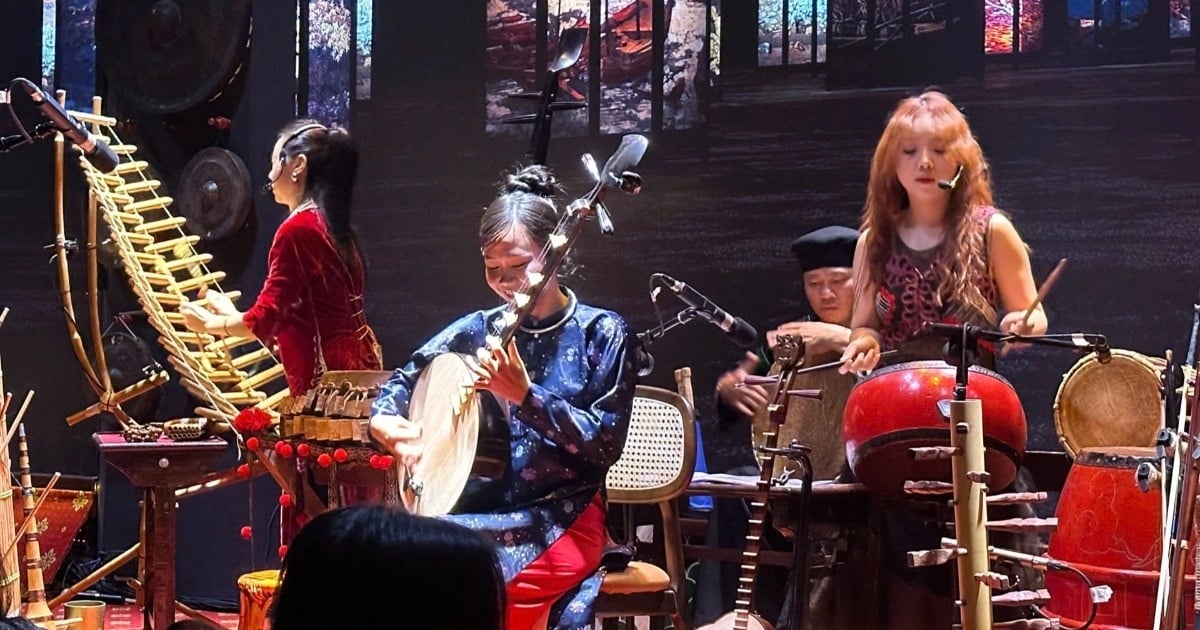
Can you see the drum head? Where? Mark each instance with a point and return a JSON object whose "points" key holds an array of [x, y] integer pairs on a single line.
{"points": [[448, 408], [1108, 404]]}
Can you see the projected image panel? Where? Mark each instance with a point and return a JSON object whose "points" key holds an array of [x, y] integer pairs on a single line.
{"points": [[49, 41], [626, 56], [1181, 19], [998, 32], [714, 42], [847, 21], [1032, 22], [998, 27], [770, 32], [510, 52], [1083, 21], [76, 52], [573, 84], [929, 17], [330, 39], [800, 31], [363, 34], [683, 55]]}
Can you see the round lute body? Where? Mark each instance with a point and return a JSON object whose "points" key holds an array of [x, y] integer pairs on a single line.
{"points": [[739, 621], [464, 436]]}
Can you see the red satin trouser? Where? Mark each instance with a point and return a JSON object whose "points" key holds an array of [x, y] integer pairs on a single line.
{"points": [[566, 563]]}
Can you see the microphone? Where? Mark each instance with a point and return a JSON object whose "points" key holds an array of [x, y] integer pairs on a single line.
{"points": [[740, 331], [94, 149], [951, 183], [269, 187]]}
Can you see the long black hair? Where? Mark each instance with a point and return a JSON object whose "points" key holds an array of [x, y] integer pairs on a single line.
{"points": [[361, 566], [526, 201], [332, 158]]}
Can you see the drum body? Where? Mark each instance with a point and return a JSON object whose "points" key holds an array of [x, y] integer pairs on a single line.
{"points": [[1109, 529], [256, 591], [1118, 403], [896, 408]]}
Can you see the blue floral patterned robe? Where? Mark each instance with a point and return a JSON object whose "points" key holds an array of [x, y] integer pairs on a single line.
{"points": [[563, 436]]}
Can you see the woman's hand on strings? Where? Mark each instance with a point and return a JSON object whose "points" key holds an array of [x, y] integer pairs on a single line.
{"points": [[399, 436], [502, 372]]}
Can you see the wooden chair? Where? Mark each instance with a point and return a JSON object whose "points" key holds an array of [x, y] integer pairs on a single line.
{"points": [[654, 469]]}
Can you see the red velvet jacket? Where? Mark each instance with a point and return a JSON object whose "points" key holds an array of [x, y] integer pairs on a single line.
{"points": [[311, 305]]}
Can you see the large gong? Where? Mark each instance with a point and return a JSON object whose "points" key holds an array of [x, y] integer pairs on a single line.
{"points": [[214, 193], [167, 56]]}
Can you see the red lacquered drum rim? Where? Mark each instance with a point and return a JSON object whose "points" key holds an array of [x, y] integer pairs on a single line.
{"points": [[912, 365]]}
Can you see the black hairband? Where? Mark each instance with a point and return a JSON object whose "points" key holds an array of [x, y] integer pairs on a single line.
{"points": [[297, 133]]}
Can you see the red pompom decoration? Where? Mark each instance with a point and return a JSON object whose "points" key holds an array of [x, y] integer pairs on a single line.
{"points": [[243, 471], [283, 449], [374, 461], [252, 420], [340, 455], [252, 443], [282, 551], [386, 461], [324, 460], [246, 532], [285, 500], [302, 449]]}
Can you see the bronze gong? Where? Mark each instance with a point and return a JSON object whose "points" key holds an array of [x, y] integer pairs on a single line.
{"points": [[167, 56], [214, 193]]}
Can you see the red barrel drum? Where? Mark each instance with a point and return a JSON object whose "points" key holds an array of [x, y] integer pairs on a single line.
{"points": [[896, 408], [1111, 530]]}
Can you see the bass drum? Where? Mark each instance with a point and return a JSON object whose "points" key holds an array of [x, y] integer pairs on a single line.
{"points": [[1112, 531], [896, 408], [465, 437], [1117, 403], [816, 424]]}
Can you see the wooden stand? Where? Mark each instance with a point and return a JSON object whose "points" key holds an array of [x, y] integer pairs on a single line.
{"points": [[159, 468], [970, 513]]}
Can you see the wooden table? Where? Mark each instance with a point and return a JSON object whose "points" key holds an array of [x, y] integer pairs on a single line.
{"points": [[829, 502], [159, 468]]}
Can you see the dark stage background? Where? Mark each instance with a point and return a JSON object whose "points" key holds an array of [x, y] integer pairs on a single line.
{"points": [[1095, 164]]}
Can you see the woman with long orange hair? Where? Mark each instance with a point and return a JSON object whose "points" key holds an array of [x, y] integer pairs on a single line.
{"points": [[933, 248]]}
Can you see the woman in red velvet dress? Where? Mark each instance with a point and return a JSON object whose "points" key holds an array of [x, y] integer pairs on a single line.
{"points": [[311, 305]]}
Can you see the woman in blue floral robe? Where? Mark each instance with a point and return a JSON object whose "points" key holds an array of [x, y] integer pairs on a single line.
{"points": [[564, 387]]}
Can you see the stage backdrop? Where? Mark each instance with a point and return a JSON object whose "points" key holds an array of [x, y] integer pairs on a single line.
{"points": [[1094, 165]]}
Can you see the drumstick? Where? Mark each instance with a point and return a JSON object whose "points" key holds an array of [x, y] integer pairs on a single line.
{"points": [[1041, 294], [752, 379]]}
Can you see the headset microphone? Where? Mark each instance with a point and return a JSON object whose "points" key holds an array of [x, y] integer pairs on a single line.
{"points": [[950, 184]]}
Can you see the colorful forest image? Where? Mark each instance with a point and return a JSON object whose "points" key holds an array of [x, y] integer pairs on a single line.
{"points": [[998, 30], [1181, 19]]}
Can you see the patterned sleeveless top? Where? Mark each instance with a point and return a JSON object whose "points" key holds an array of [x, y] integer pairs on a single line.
{"points": [[907, 297]]}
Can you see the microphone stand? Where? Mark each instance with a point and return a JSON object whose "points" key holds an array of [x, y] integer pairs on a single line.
{"points": [[645, 360], [41, 131]]}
